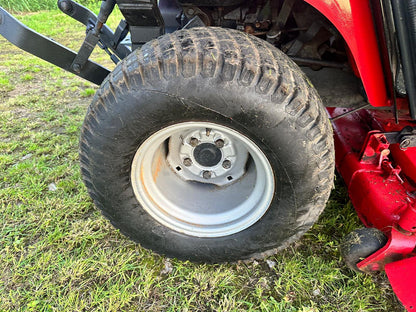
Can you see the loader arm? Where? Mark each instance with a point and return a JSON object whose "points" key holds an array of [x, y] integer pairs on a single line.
{"points": [[47, 49]]}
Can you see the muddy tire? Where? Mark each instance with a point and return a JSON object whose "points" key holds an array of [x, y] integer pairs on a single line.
{"points": [[359, 244], [209, 145]]}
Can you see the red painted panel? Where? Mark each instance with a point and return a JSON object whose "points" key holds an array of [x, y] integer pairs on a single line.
{"points": [[402, 277], [354, 21], [382, 197], [381, 180]]}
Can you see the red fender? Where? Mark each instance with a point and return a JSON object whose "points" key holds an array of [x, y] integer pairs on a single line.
{"points": [[354, 21]]}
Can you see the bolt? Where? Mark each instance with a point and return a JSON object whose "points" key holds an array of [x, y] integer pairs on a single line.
{"points": [[77, 68], [187, 162], [190, 11], [194, 142], [226, 164], [65, 6], [207, 174], [405, 143], [219, 143]]}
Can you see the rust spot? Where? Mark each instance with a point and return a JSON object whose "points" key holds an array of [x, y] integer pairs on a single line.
{"points": [[149, 196], [158, 164]]}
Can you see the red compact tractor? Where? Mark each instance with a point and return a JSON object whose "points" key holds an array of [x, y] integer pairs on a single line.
{"points": [[212, 139]]}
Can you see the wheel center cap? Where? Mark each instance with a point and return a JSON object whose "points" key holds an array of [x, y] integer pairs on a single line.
{"points": [[207, 154]]}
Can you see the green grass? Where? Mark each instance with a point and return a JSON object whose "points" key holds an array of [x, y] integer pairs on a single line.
{"points": [[57, 253], [88, 92], [36, 5]]}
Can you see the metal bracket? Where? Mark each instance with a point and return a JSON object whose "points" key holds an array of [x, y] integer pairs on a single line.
{"points": [[47, 49], [378, 142], [279, 19], [375, 149], [144, 18], [406, 137], [376, 152], [85, 51], [93, 35], [120, 34], [196, 21], [86, 17], [304, 38]]}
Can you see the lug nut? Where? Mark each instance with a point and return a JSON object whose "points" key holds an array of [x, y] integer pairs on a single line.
{"points": [[77, 68], [207, 174], [194, 142], [226, 164], [187, 162], [219, 143]]}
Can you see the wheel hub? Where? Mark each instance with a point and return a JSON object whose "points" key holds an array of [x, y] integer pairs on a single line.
{"points": [[208, 156]]}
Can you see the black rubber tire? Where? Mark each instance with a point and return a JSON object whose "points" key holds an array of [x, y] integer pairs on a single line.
{"points": [[359, 244], [226, 77]]}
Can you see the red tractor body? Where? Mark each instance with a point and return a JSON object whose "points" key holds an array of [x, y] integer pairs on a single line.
{"points": [[354, 20], [380, 175]]}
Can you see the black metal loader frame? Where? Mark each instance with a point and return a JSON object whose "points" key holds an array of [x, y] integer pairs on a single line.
{"points": [[145, 24]]}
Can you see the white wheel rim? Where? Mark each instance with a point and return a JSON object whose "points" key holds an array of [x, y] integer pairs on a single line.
{"points": [[190, 203]]}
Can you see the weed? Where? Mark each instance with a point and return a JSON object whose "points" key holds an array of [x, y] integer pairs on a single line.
{"points": [[27, 77], [88, 92], [5, 83]]}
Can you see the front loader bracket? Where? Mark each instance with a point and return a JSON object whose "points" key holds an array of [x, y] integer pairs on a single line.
{"points": [[108, 41]]}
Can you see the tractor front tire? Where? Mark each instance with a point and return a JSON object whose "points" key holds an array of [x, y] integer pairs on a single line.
{"points": [[208, 144]]}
